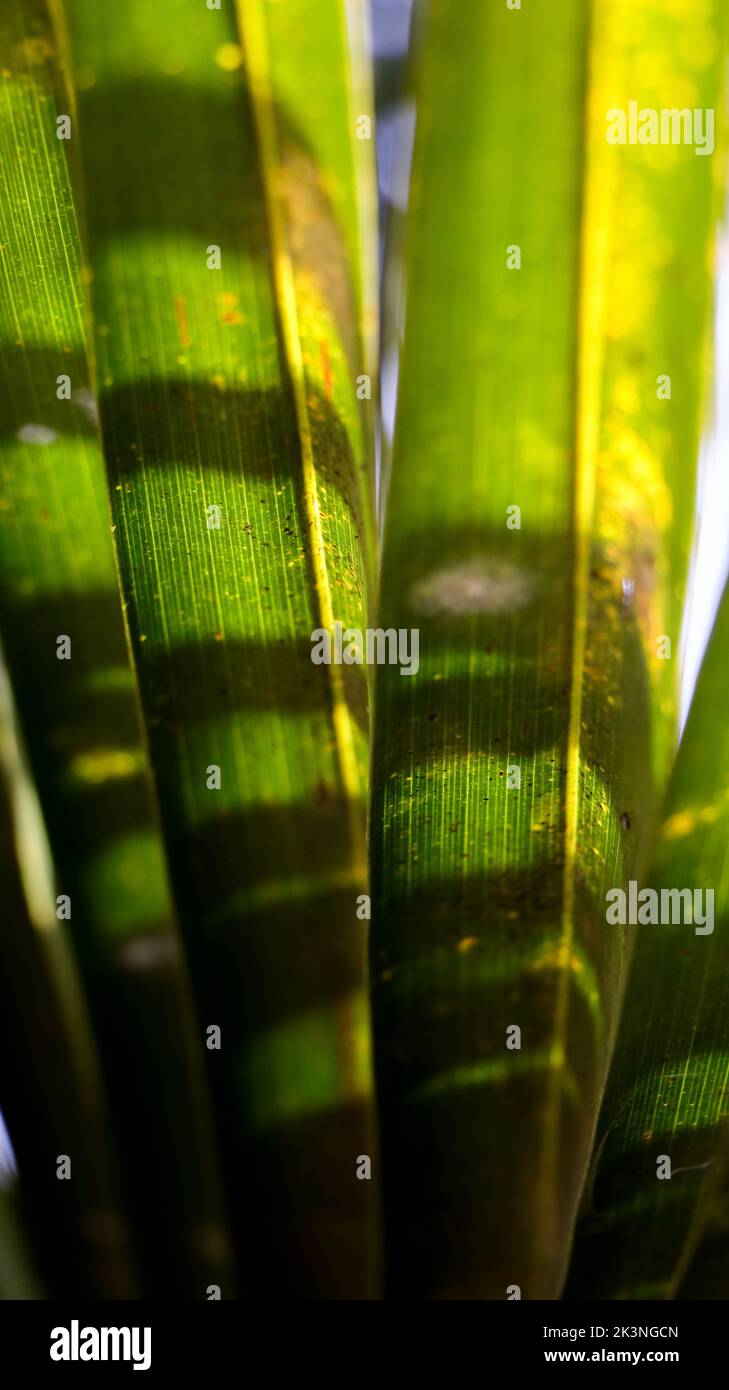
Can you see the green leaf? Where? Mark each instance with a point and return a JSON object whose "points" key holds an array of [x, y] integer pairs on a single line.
{"points": [[51, 1092], [80, 721], [319, 180], [235, 389], [668, 1090], [540, 652]]}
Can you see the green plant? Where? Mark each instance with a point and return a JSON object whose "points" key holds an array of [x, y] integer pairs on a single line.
{"points": [[188, 372]]}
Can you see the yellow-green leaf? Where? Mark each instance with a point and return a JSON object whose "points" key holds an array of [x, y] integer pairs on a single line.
{"points": [[536, 537]]}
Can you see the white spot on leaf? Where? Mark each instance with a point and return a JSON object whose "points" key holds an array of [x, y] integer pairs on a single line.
{"points": [[36, 434], [476, 586], [85, 399]]}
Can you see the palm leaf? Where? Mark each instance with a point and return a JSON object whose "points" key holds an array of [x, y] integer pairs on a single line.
{"points": [[668, 1091], [57, 578], [235, 453], [51, 1091], [515, 776]]}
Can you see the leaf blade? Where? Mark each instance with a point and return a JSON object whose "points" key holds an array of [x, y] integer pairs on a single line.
{"points": [[667, 1092], [202, 413], [80, 720], [517, 388]]}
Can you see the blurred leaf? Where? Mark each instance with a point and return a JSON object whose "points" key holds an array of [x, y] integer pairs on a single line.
{"points": [[706, 1272], [51, 1093], [668, 1089], [57, 577], [228, 396], [515, 775], [18, 1276]]}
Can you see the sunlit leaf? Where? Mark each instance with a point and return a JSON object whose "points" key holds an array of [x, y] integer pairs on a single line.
{"points": [[62, 627], [536, 536], [228, 311]]}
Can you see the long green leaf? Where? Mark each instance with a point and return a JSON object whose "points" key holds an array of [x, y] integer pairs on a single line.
{"points": [[235, 451], [57, 579], [668, 1092], [51, 1093], [515, 774]]}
